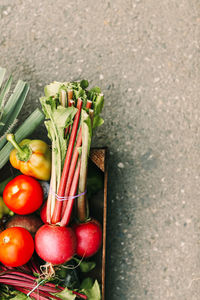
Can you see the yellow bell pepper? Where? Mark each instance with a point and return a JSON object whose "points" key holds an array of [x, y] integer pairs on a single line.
{"points": [[31, 157]]}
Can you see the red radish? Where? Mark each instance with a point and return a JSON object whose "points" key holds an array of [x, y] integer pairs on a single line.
{"points": [[55, 244], [89, 238]]}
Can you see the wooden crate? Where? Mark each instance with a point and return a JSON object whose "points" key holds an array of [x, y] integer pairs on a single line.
{"points": [[98, 209]]}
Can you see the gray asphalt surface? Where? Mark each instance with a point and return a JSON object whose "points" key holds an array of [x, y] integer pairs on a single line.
{"points": [[145, 57]]}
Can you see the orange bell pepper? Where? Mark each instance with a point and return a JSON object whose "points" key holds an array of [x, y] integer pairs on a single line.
{"points": [[31, 157]]}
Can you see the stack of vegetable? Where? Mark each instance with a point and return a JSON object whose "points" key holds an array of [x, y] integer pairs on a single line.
{"points": [[71, 114]]}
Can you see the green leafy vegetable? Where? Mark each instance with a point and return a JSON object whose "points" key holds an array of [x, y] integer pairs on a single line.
{"points": [[12, 109], [2, 74], [84, 84], [66, 295], [92, 292], [4, 92], [20, 296], [52, 89], [58, 118], [85, 266], [87, 283]]}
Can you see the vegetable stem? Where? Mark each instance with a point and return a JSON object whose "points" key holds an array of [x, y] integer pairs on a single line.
{"points": [[51, 195], [69, 95], [72, 168], [81, 203], [61, 190], [24, 154], [63, 98], [73, 163], [67, 213]]}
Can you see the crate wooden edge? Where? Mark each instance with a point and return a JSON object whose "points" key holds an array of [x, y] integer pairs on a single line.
{"points": [[99, 157]]}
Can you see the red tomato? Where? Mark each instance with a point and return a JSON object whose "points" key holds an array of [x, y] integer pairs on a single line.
{"points": [[23, 195], [16, 246]]}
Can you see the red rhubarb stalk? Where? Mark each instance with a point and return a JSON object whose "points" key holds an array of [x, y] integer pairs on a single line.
{"points": [[69, 96], [80, 295], [61, 190], [67, 214], [13, 277], [72, 168], [28, 285], [68, 129], [88, 104], [19, 275], [73, 162], [34, 266], [71, 103]]}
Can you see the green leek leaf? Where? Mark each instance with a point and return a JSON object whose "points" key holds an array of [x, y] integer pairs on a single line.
{"points": [[2, 74], [3, 94], [13, 100], [12, 115]]}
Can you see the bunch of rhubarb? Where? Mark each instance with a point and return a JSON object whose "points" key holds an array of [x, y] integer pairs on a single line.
{"points": [[72, 112]]}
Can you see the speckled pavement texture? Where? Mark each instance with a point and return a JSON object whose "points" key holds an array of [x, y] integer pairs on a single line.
{"points": [[146, 57]]}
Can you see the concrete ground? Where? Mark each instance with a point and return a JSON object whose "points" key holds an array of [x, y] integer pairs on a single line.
{"points": [[145, 56]]}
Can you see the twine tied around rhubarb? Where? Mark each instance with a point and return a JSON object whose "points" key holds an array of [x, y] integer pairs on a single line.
{"points": [[60, 198], [35, 287]]}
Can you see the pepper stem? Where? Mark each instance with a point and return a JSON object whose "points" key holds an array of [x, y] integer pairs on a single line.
{"points": [[23, 153]]}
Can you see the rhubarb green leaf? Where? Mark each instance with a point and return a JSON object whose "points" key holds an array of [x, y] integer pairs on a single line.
{"points": [[93, 92], [98, 104], [20, 296], [58, 118], [52, 89], [85, 266], [84, 84], [97, 121], [92, 293], [65, 295], [86, 284]]}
